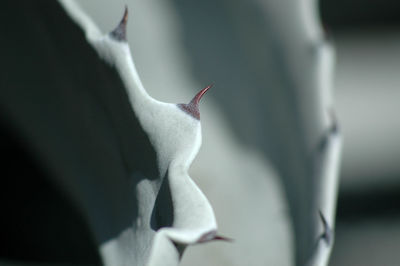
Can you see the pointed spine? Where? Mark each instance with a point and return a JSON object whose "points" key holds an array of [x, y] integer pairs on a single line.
{"points": [[192, 108], [119, 33]]}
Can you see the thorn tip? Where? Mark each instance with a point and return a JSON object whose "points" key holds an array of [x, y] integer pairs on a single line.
{"points": [[192, 108], [200, 94], [119, 33], [211, 236], [223, 238]]}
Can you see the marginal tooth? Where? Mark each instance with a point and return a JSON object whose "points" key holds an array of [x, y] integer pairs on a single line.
{"points": [[327, 235], [223, 238], [192, 108], [211, 236], [119, 33]]}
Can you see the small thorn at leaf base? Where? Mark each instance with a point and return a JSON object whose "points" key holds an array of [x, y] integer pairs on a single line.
{"points": [[223, 238], [119, 33], [327, 235], [211, 236], [192, 108]]}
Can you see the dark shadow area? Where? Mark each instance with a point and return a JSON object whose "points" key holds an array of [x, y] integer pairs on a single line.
{"points": [[71, 112], [377, 202], [367, 225], [38, 222], [163, 212], [343, 14]]}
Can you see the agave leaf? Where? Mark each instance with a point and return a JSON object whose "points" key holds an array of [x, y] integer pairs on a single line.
{"points": [[123, 156], [175, 133], [118, 153], [273, 64]]}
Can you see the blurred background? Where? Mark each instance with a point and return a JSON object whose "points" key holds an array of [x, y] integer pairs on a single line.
{"points": [[367, 95]]}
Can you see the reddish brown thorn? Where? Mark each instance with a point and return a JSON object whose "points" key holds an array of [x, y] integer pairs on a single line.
{"points": [[119, 33], [192, 108], [211, 236], [223, 238], [199, 95]]}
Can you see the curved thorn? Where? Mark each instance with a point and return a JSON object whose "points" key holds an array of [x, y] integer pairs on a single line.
{"points": [[223, 238], [196, 99], [119, 33], [192, 108], [211, 236]]}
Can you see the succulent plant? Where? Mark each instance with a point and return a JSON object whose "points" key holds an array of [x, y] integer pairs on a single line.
{"points": [[123, 157]]}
